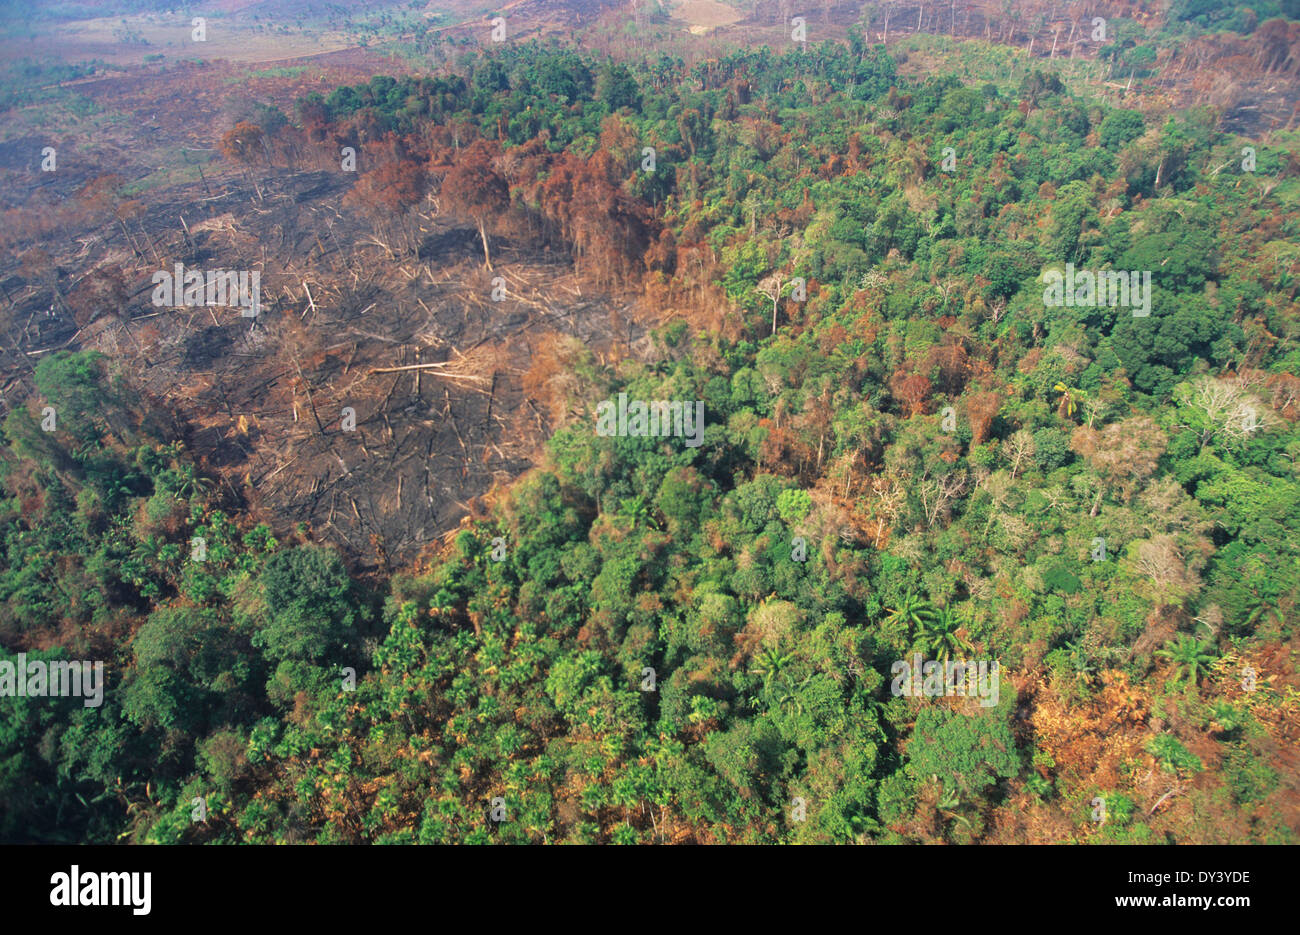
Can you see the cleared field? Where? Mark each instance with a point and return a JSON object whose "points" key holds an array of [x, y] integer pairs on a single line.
{"points": [[128, 40], [705, 15]]}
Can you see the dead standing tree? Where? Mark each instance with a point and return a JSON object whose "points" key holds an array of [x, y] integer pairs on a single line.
{"points": [[386, 196], [241, 145], [473, 187], [770, 287]]}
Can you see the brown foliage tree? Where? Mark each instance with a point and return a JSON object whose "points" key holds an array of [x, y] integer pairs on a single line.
{"points": [[392, 188], [981, 409], [473, 186], [912, 390], [387, 193], [601, 222], [242, 143]]}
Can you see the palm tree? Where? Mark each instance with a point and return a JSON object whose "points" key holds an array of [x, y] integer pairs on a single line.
{"points": [[1189, 656], [190, 482], [949, 805], [87, 450], [948, 797], [912, 611], [1080, 661], [1070, 398], [770, 662], [941, 635], [1261, 610], [790, 696], [1224, 718], [171, 451], [146, 550], [636, 509]]}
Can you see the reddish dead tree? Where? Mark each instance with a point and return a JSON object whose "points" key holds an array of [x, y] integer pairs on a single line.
{"points": [[981, 409], [619, 152], [782, 451], [662, 254], [386, 194], [315, 120], [954, 366], [242, 143], [473, 187], [815, 422], [601, 222], [610, 227], [913, 390]]}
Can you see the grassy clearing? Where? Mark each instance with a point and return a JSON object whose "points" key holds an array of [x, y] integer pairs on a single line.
{"points": [[166, 176], [291, 71]]}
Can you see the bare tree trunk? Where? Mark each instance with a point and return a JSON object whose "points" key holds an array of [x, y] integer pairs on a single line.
{"points": [[204, 178], [149, 241], [130, 240], [482, 232]]}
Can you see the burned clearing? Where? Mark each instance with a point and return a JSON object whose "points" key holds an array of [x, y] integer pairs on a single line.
{"points": [[373, 398], [406, 336]]}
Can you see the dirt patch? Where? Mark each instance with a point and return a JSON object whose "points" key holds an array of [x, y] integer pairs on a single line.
{"points": [[706, 15], [127, 40]]}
